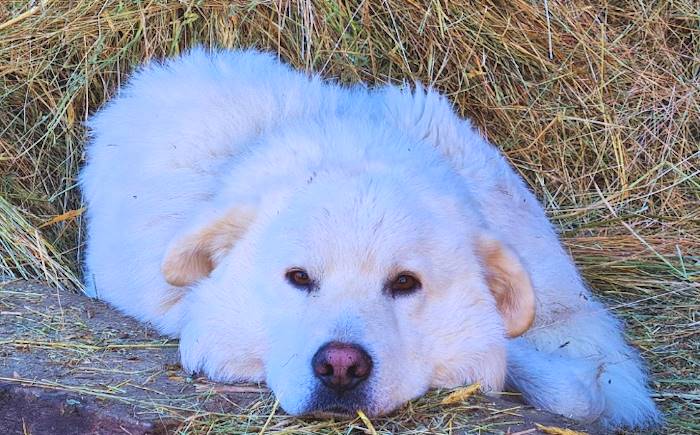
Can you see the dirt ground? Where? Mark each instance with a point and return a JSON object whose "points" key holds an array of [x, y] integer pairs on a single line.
{"points": [[69, 364]]}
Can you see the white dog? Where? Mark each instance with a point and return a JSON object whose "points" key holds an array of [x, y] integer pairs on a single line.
{"points": [[350, 247]]}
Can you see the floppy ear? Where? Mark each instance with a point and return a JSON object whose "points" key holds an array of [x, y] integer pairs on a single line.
{"points": [[510, 284], [194, 255]]}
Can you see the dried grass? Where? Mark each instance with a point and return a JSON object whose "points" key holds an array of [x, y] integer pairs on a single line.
{"points": [[597, 104]]}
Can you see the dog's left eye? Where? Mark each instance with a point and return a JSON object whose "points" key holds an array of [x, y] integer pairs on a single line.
{"points": [[403, 284], [299, 278]]}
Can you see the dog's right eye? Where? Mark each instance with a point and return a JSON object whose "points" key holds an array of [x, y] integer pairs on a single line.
{"points": [[403, 284], [299, 278]]}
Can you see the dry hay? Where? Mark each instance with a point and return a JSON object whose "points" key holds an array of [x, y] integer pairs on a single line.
{"points": [[596, 104]]}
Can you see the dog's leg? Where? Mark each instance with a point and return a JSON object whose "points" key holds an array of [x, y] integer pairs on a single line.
{"points": [[580, 366]]}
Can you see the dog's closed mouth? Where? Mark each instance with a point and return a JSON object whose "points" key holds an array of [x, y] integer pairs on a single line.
{"points": [[335, 411], [326, 407]]}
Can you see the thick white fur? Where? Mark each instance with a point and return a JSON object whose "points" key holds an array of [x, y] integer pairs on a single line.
{"points": [[349, 183]]}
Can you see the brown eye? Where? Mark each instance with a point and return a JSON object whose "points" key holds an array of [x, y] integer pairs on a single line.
{"points": [[299, 278], [403, 284]]}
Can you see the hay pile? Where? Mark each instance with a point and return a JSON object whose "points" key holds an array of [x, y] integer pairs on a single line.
{"points": [[596, 104]]}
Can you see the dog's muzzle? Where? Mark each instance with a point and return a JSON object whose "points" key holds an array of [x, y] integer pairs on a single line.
{"points": [[342, 369]]}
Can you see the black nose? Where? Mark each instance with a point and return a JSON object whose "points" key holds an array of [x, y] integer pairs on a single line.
{"points": [[341, 366]]}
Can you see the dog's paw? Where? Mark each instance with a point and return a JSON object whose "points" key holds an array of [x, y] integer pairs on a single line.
{"points": [[577, 395], [565, 386]]}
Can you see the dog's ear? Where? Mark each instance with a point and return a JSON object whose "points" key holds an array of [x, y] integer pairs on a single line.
{"points": [[510, 284], [193, 255]]}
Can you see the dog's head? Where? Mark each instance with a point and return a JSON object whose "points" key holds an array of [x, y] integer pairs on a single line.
{"points": [[354, 288]]}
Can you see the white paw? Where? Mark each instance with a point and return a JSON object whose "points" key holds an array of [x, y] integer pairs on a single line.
{"points": [[565, 386], [578, 397]]}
